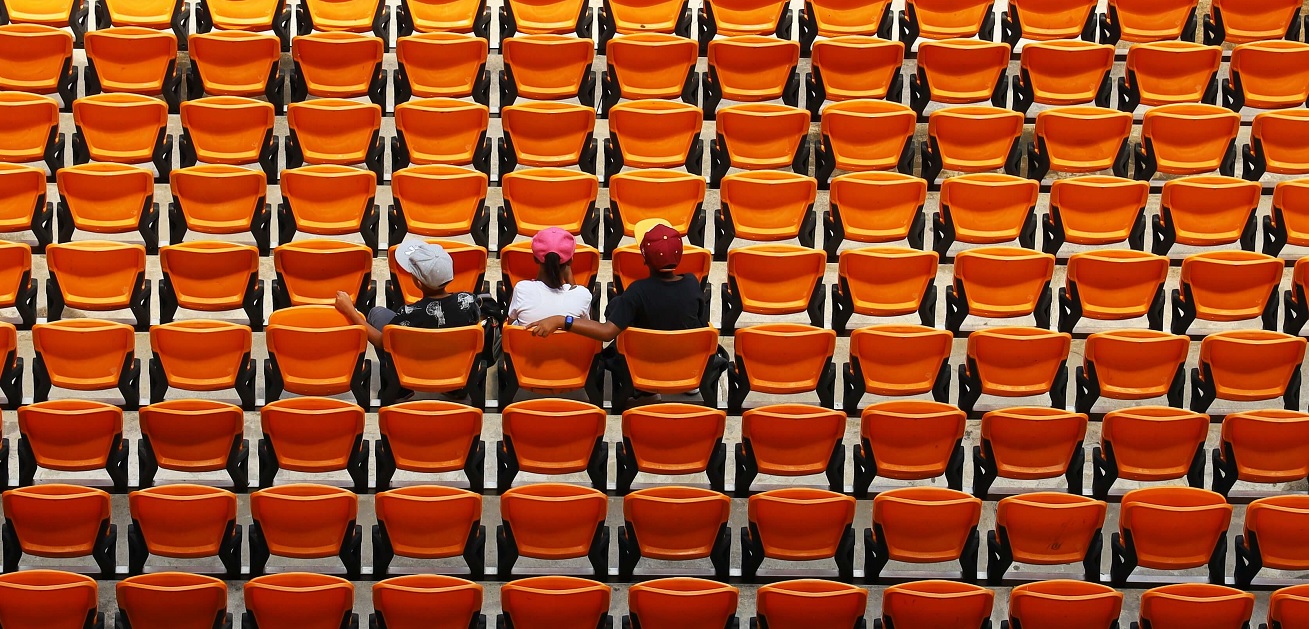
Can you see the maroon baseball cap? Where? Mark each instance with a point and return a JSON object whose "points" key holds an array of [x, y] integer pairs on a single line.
{"points": [[661, 246]]}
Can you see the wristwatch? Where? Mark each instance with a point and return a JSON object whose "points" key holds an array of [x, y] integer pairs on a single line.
{"points": [[568, 323]]}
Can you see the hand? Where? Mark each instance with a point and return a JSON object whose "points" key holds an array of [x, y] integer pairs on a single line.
{"points": [[345, 305], [547, 326]]}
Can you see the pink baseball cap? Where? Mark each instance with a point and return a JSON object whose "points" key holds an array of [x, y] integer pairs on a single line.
{"points": [[553, 240]]}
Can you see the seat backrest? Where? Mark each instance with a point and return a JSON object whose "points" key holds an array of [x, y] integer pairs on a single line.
{"points": [[973, 139], [1210, 210], [547, 66], [784, 357], [852, 63], [1274, 74], [673, 438], [553, 435], [676, 523], [105, 197], [301, 599], [550, 197], [1289, 606], [925, 524], [810, 602], [131, 58], [667, 361], [172, 599], [1082, 139], [962, 70], [768, 204], [1115, 284], [337, 64], [428, 521], [923, 604], [28, 122], [552, 520], [50, 598], [1135, 364], [56, 520], [1277, 522], [433, 360], [446, 64], [201, 354], [800, 524], [1189, 139], [1200, 605], [312, 434], [1230, 285], [1065, 71], [656, 193], [228, 129], [96, 274], [334, 130], [1254, 21], [1154, 442], [868, 134], [886, 281], [1174, 527], [555, 601], [551, 365], [792, 439], [912, 439], [342, 15], [71, 435], [1029, 442], [753, 67], [312, 271], [421, 445], [183, 520], [442, 130], [517, 263], [682, 602], [1172, 71], [33, 57], [775, 279], [655, 133], [548, 133], [760, 136], [900, 359], [235, 63], [328, 199], [1003, 281], [469, 263], [209, 275], [649, 64], [943, 19], [1065, 603], [1151, 20], [120, 127], [316, 348], [629, 265], [218, 199], [1047, 528], [302, 520], [1251, 364], [22, 192], [877, 206], [1043, 20], [191, 435], [83, 354], [439, 200], [1096, 209], [988, 208], [427, 600], [1017, 361], [1268, 445]]}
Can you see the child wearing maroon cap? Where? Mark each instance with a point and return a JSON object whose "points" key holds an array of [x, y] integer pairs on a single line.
{"points": [[552, 292]]}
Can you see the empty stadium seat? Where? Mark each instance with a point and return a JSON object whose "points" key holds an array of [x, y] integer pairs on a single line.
{"points": [[648, 65], [1271, 538], [72, 436], [23, 190], [85, 355], [304, 521], [133, 60], [1187, 139], [774, 280], [923, 525], [236, 63], [909, 440], [1195, 605], [161, 15], [1046, 21], [1029, 443], [58, 521], [833, 19], [790, 440], [1079, 140], [751, 68], [782, 359], [412, 601], [355, 16], [1095, 210], [765, 206], [1227, 286], [1045, 529], [658, 361], [626, 17], [681, 602], [535, 17], [219, 200], [725, 18], [229, 130], [183, 522], [852, 66], [1241, 22], [1064, 603], [547, 134], [38, 59], [564, 601], [972, 140], [999, 282], [170, 599], [441, 131], [19, 291], [442, 64], [538, 198], [865, 135], [1297, 312], [1206, 211], [1267, 75], [671, 439], [985, 208], [30, 132], [1286, 607], [654, 193], [337, 65], [802, 602], [884, 281], [438, 200], [470, 260], [429, 522], [552, 521], [211, 276], [314, 350], [335, 131], [300, 599], [759, 136], [11, 373], [442, 16], [202, 355], [49, 597], [547, 67], [193, 436], [312, 434], [310, 272], [107, 199], [448, 361], [412, 442], [895, 360], [1148, 21], [1014, 362], [1169, 72], [242, 15], [1170, 528], [552, 436], [1112, 285], [1063, 72], [946, 19], [874, 207], [1132, 364], [1247, 365], [1265, 446], [123, 128], [654, 134], [960, 71], [1274, 146], [674, 524], [799, 524], [552, 365], [328, 200]]}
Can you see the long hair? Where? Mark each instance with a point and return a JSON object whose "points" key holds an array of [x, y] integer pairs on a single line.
{"points": [[552, 271]]}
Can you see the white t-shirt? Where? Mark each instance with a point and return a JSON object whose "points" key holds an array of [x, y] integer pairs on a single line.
{"points": [[534, 301]]}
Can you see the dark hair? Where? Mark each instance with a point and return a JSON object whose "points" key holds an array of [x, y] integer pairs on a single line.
{"points": [[552, 271]]}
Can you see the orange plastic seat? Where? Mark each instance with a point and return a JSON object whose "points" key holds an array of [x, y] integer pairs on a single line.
{"points": [[547, 134], [442, 64], [184, 522], [30, 131], [123, 128], [23, 191], [155, 14], [313, 350], [1112, 285], [108, 199], [58, 521], [1000, 283], [540, 198], [1046, 529], [442, 16], [681, 602], [923, 525], [985, 208], [335, 131], [219, 200], [834, 19], [193, 436], [1148, 21], [229, 130], [765, 206], [311, 434], [804, 602], [85, 355], [470, 276], [654, 134], [866, 135], [1064, 603], [211, 276], [1227, 286], [1267, 75], [799, 524], [1265, 446], [547, 67], [1168, 72], [552, 436], [439, 201], [301, 599], [134, 60], [1296, 310], [49, 597], [98, 275], [17, 288], [1045, 20], [673, 440], [551, 365], [782, 359], [648, 65], [309, 272], [1014, 362], [1247, 365], [244, 15], [729, 18], [1170, 528], [72, 436], [328, 200], [202, 355], [896, 360], [1095, 210], [909, 440], [945, 19], [790, 440], [304, 521], [1198, 605], [337, 64], [535, 17], [171, 599], [1241, 22], [552, 521], [1272, 537], [751, 68], [1029, 443], [411, 441], [884, 282], [655, 193], [762, 136], [1186, 139], [1206, 211], [874, 207], [60, 13], [1079, 140], [959, 71], [1286, 607], [354, 16], [444, 360], [37, 59], [555, 601], [774, 280], [1132, 365], [972, 140], [851, 66], [1275, 141], [236, 63], [672, 523], [416, 600], [1063, 72], [660, 361], [517, 263], [429, 522]]}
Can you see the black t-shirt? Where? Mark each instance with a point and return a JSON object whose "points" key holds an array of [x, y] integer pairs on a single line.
{"points": [[451, 311], [654, 304]]}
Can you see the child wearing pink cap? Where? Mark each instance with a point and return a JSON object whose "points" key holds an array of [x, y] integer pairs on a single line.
{"points": [[552, 293]]}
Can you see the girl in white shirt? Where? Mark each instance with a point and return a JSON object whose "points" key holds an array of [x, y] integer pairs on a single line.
{"points": [[552, 292]]}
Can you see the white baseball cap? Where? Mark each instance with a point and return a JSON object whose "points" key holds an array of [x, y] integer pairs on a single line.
{"points": [[427, 262]]}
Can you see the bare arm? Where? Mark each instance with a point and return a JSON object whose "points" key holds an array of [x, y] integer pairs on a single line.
{"points": [[603, 332], [347, 309]]}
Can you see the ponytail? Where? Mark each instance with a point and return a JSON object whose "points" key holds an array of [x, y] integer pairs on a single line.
{"points": [[552, 271]]}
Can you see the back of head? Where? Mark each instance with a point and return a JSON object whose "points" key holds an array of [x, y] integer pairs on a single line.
{"points": [[553, 249], [661, 245]]}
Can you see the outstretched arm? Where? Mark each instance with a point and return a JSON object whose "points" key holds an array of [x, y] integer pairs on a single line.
{"points": [[347, 308], [603, 332]]}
